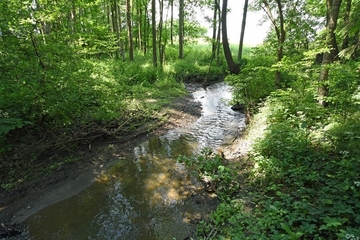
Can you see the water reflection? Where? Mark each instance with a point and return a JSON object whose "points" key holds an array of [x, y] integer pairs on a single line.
{"points": [[148, 195]]}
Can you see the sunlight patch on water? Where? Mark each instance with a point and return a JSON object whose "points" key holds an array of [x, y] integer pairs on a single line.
{"points": [[147, 195]]}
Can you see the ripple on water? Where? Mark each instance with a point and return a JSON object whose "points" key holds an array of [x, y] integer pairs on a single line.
{"points": [[146, 195]]}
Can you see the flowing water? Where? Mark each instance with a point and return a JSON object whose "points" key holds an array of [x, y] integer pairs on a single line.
{"points": [[147, 195]]}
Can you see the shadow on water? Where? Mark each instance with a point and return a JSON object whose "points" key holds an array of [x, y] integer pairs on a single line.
{"points": [[147, 195]]}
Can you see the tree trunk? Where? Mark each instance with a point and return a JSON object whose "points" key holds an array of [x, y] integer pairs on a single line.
{"points": [[139, 17], [108, 16], [116, 28], [121, 44], [345, 42], [181, 29], [129, 26], [218, 38], [153, 22], [280, 34], [146, 28], [214, 42], [233, 68], [160, 31], [241, 42], [171, 22], [333, 9], [281, 40], [73, 17]]}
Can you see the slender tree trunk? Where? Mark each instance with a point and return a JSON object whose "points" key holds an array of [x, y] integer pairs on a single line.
{"points": [[243, 24], [218, 38], [112, 13], [214, 43], [153, 22], [333, 9], [129, 27], [181, 29], [280, 34], [108, 14], [73, 17], [345, 42], [121, 44], [80, 27], [171, 22], [139, 17], [160, 30], [233, 68], [281, 40], [116, 27], [146, 31]]}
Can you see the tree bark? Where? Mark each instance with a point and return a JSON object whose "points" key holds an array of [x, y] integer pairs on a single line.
{"points": [[215, 22], [160, 31], [218, 37], [233, 68], [129, 26], [153, 22], [116, 27], [121, 44], [171, 22], [181, 29], [139, 17], [280, 34], [146, 28], [333, 9], [73, 19], [243, 24], [345, 42]]}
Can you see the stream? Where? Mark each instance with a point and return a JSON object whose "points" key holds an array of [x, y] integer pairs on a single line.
{"points": [[147, 194]]}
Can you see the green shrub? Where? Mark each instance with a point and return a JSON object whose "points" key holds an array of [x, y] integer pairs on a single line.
{"points": [[6, 125], [215, 170], [304, 183], [255, 81], [344, 138]]}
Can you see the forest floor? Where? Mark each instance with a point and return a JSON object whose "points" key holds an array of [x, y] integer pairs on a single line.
{"points": [[70, 178]]}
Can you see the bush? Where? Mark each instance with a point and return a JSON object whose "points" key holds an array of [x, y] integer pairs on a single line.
{"points": [[304, 183], [213, 169], [255, 81]]}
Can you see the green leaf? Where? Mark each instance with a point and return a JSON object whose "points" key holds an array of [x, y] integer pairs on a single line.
{"points": [[330, 222], [8, 124]]}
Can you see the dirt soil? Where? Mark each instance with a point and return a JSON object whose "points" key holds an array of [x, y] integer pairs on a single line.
{"points": [[69, 179]]}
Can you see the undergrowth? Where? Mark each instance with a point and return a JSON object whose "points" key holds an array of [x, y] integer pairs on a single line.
{"points": [[304, 179], [304, 184], [78, 100], [212, 169]]}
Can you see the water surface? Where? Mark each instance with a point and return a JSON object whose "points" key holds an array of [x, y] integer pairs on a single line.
{"points": [[147, 195]]}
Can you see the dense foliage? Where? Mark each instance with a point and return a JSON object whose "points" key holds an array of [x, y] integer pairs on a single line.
{"points": [[71, 69], [301, 178], [67, 68], [80, 98], [304, 179]]}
